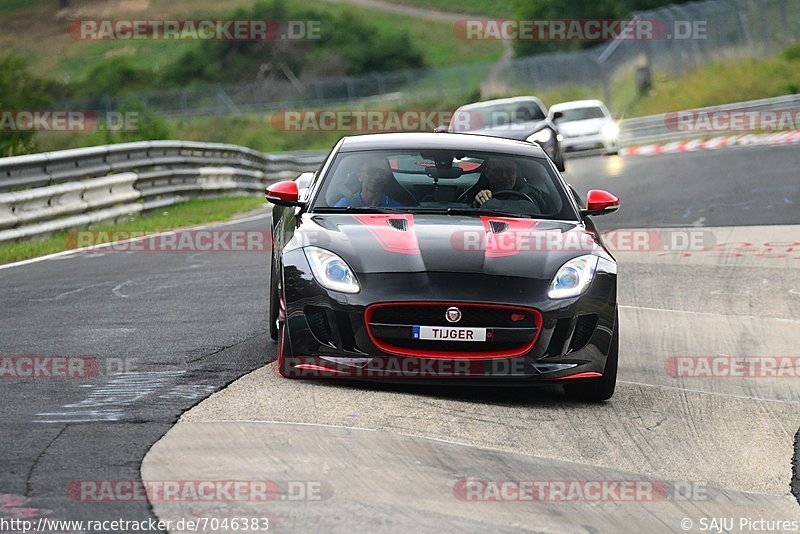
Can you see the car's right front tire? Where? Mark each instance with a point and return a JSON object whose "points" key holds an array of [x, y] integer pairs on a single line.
{"points": [[272, 314]]}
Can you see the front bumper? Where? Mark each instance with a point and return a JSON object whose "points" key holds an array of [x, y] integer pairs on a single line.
{"points": [[595, 142], [327, 334]]}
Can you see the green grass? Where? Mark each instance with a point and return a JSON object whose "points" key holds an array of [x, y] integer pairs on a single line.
{"points": [[11, 6], [720, 82], [190, 213]]}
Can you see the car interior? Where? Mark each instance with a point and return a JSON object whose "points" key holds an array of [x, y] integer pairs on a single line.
{"points": [[419, 181]]}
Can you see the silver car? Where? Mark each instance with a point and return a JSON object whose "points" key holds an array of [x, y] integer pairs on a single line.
{"points": [[586, 125]]}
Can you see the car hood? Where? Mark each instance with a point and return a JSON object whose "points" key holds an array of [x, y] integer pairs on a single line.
{"points": [[584, 127], [403, 243]]}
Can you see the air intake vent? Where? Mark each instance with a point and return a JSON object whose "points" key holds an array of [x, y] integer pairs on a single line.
{"points": [[318, 323], [398, 224], [584, 328], [498, 227]]}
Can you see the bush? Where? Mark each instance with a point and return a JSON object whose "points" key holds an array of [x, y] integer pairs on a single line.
{"points": [[137, 124], [114, 76], [347, 40], [20, 90], [791, 52]]}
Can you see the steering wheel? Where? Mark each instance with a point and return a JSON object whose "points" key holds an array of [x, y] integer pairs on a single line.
{"points": [[506, 193]]}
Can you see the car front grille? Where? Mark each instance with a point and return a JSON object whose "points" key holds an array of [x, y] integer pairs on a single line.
{"points": [[510, 330]]}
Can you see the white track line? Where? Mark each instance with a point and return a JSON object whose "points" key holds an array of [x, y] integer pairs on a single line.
{"points": [[668, 310]]}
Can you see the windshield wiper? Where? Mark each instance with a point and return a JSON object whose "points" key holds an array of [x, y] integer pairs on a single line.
{"points": [[414, 209], [483, 211], [360, 209]]}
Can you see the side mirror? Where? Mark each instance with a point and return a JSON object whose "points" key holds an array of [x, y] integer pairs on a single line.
{"points": [[557, 115], [599, 202], [284, 194]]}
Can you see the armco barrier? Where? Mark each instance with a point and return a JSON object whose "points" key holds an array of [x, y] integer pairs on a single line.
{"points": [[655, 128], [44, 193]]}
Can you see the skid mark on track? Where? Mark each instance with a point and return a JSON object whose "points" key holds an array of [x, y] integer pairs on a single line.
{"points": [[65, 294], [110, 401], [116, 290]]}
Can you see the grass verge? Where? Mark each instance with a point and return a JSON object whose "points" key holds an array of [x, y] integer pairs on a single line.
{"points": [[190, 213]]}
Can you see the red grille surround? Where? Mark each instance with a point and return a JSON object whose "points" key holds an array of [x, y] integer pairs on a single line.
{"points": [[440, 354]]}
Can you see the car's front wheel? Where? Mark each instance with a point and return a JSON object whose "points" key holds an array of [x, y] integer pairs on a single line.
{"points": [[284, 368], [272, 315], [603, 388]]}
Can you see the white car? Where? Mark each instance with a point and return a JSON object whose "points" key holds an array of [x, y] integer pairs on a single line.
{"points": [[587, 125]]}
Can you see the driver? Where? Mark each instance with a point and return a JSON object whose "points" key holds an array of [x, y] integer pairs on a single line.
{"points": [[374, 180], [502, 175]]}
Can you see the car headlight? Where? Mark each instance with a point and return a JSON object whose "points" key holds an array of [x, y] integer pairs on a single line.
{"points": [[610, 131], [331, 271], [573, 277], [542, 136]]}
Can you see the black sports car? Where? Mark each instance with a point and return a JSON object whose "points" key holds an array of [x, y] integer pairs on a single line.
{"points": [[522, 117], [431, 256]]}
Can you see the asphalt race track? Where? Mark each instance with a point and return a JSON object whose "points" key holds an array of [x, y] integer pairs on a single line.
{"points": [[384, 458]]}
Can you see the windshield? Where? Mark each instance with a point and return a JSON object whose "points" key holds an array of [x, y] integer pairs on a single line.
{"points": [[426, 180], [581, 114], [494, 116]]}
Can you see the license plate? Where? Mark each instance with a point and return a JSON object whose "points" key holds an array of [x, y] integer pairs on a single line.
{"points": [[449, 333]]}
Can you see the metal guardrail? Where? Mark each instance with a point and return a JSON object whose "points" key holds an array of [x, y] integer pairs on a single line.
{"points": [[661, 129], [44, 193]]}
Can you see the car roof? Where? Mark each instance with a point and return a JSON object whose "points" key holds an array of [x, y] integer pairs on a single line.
{"points": [[511, 100], [441, 141], [574, 104]]}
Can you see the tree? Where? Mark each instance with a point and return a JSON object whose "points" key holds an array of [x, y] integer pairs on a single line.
{"points": [[550, 10]]}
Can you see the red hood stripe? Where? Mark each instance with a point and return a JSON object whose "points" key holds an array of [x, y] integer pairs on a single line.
{"points": [[389, 238], [494, 248]]}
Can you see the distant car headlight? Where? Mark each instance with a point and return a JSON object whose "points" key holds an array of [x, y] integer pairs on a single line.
{"points": [[573, 277], [610, 131], [542, 136], [331, 271]]}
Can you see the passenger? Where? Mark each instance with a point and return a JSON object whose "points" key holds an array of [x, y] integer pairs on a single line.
{"points": [[374, 181]]}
